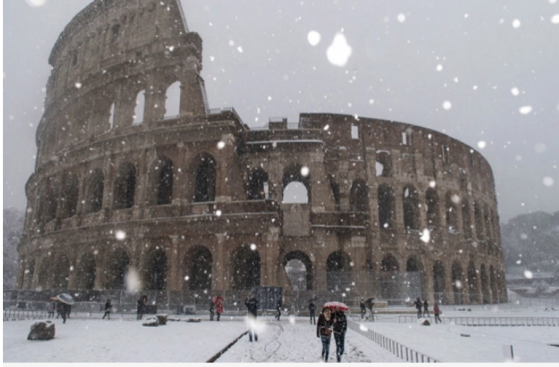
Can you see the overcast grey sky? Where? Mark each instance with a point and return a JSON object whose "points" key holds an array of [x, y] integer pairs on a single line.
{"points": [[487, 58]]}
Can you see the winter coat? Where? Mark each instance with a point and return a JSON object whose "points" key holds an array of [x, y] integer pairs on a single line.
{"points": [[108, 306], [323, 326], [141, 306], [340, 322], [436, 309], [219, 307], [252, 306], [362, 305], [425, 305], [212, 307], [417, 304], [312, 307]]}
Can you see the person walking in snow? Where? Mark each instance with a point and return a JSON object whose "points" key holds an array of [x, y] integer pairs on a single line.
{"points": [[278, 309], [418, 305], [212, 310], [219, 307], [437, 313], [252, 306], [340, 328], [363, 309], [312, 308], [324, 331], [426, 309], [141, 308], [108, 306]]}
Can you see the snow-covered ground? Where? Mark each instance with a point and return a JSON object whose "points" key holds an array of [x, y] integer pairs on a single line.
{"points": [[292, 339]]}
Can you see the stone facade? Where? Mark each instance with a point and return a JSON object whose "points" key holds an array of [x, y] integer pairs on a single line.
{"points": [[194, 199]]}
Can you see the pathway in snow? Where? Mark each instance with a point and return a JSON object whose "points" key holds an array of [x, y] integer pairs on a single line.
{"points": [[291, 341]]}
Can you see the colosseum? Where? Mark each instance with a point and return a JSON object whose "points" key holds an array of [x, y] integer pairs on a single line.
{"points": [[133, 183]]}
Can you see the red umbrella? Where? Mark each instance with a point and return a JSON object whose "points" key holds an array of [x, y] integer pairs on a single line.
{"points": [[333, 306], [217, 299]]}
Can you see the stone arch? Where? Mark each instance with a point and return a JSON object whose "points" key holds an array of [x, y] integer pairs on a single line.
{"points": [[161, 179], [479, 221], [383, 164], [338, 271], [95, 189], [61, 272], [493, 285], [466, 220], [302, 257], [139, 108], [70, 195], [451, 206], [458, 283], [172, 100], [432, 207], [439, 283], [293, 174], [198, 264], [386, 206], [411, 207], [257, 184], [245, 268], [415, 278], [118, 267], [473, 287], [125, 186], [358, 197], [155, 269], [389, 278], [205, 168], [86, 272], [486, 295]]}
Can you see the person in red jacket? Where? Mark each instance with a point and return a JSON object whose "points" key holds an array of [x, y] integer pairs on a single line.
{"points": [[219, 307], [437, 311]]}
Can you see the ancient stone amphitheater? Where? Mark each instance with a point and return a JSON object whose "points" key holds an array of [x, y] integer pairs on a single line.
{"points": [[133, 182]]}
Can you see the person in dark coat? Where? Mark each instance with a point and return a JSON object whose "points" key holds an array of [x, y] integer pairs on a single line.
{"points": [[212, 310], [363, 309], [370, 305], [324, 331], [108, 306], [340, 328], [426, 309], [64, 310], [278, 309], [141, 309], [312, 308], [437, 313], [252, 307], [418, 305]]}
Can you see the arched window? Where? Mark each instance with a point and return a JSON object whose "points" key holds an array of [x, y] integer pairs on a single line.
{"points": [[118, 270], [70, 192], [198, 263], [162, 181], [95, 189], [172, 100], [473, 284], [157, 270], [299, 270], [383, 165], [296, 185], [485, 285], [389, 278], [358, 197], [338, 272], [139, 109], [86, 272], [466, 220], [457, 283], [452, 201], [246, 268], [385, 206], [125, 186], [411, 207], [439, 283], [258, 185], [432, 207], [205, 179], [479, 221]]}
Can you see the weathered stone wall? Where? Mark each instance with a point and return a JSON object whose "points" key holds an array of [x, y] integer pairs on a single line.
{"points": [[195, 202]]}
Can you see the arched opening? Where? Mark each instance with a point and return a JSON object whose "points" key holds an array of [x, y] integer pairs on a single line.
{"points": [[246, 268], [358, 197], [473, 284], [118, 269], [296, 185], [488, 225], [414, 282], [439, 283], [457, 283], [162, 181], [45, 274], [389, 279], [298, 267], [485, 285], [61, 272], [70, 192], [338, 272], [172, 100], [493, 283], [258, 185], [205, 179], [28, 274], [139, 109], [157, 270], [479, 222], [385, 206], [383, 164], [125, 186], [336, 194], [95, 190], [198, 263], [48, 201], [432, 207], [411, 207], [86, 272], [452, 201], [466, 220]]}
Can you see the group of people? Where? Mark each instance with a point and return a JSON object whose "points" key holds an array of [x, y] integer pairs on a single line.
{"points": [[216, 306], [364, 305], [423, 309], [332, 322], [62, 310]]}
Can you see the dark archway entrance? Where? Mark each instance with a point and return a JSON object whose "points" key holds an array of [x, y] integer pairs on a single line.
{"points": [[338, 272], [246, 268]]}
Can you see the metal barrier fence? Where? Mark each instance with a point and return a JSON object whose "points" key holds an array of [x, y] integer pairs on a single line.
{"points": [[489, 321], [24, 314], [399, 350]]}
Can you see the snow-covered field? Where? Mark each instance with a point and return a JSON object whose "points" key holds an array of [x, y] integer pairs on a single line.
{"points": [[292, 339]]}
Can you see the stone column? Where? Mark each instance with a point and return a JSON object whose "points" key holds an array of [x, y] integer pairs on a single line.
{"points": [[174, 276], [220, 278]]}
